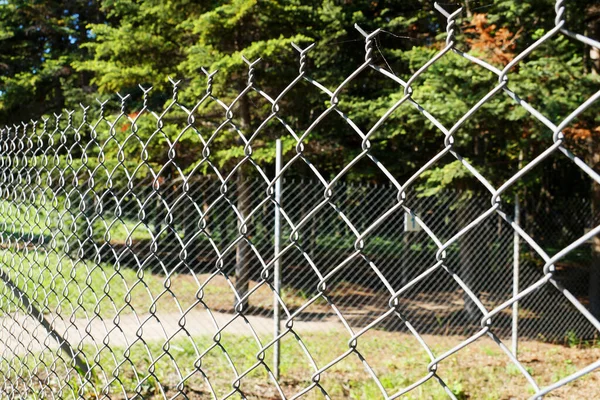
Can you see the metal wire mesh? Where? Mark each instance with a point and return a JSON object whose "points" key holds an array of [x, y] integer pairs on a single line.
{"points": [[89, 222]]}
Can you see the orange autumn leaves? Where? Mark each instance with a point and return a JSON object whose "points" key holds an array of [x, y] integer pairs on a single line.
{"points": [[495, 45], [579, 132]]}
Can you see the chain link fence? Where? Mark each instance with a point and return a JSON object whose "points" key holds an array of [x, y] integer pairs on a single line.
{"points": [[129, 275], [401, 250]]}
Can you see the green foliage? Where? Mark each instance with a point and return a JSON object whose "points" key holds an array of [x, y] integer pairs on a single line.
{"points": [[114, 45], [439, 178], [39, 44]]}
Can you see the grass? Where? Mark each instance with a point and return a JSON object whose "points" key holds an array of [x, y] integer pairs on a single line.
{"points": [[63, 285], [59, 284], [480, 371]]}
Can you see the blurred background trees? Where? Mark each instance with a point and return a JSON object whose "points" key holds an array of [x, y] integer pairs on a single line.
{"points": [[54, 55]]}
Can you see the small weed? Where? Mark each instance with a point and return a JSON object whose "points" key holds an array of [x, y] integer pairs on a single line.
{"points": [[459, 391], [490, 351], [571, 339], [513, 370]]}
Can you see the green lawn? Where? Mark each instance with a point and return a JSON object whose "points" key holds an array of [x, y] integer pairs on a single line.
{"points": [[63, 285], [60, 284], [480, 371]]}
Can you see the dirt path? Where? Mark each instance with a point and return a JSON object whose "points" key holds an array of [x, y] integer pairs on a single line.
{"points": [[23, 334]]}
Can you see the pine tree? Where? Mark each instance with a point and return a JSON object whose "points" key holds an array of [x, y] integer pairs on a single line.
{"points": [[39, 43]]}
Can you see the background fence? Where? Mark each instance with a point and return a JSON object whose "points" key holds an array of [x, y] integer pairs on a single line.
{"points": [[126, 274], [436, 307]]}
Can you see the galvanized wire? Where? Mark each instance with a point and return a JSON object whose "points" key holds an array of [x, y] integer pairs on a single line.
{"points": [[71, 185]]}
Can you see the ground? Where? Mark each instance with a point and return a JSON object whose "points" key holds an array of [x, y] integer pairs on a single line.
{"points": [[479, 371]]}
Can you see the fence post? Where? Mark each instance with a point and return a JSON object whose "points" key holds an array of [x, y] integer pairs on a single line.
{"points": [[515, 289], [277, 265]]}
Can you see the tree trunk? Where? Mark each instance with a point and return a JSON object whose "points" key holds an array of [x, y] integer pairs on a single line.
{"points": [[468, 9], [469, 270], [469, 248], [594, 289], [243, 251], [158, 217]]}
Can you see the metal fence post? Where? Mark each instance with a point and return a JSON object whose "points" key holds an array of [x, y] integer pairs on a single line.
{"points": [[515, 288], [277, 266]]}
